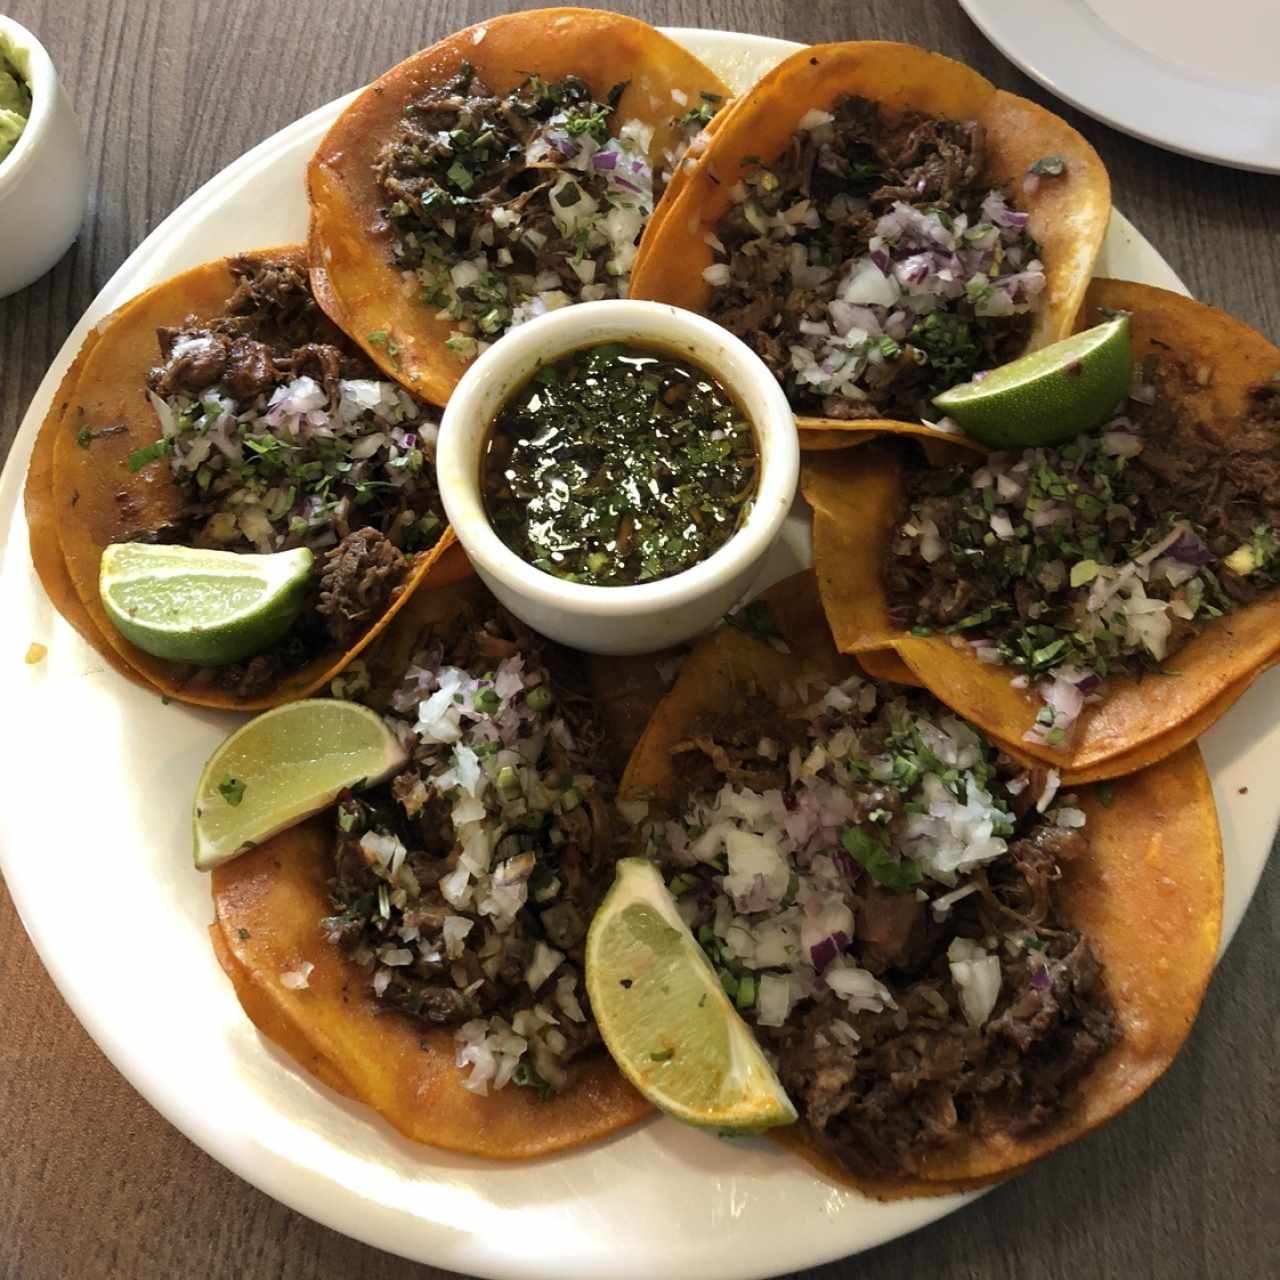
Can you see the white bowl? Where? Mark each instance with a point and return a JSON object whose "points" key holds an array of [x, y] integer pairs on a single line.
{"points": [[44, 180], [616, 620]]}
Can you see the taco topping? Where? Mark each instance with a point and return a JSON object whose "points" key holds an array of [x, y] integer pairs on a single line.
{"points": [[280, 440], [463, 888], [1103, 555], [279, 435], [870, 266], [503, 207], [877, 890], [618, 465]]}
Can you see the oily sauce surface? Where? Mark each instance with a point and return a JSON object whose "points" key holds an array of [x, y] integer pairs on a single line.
{"points": [[618, 465]]}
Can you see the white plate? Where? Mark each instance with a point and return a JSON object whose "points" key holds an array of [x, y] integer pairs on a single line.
{"points": [[94, 838], [1202, 79]]}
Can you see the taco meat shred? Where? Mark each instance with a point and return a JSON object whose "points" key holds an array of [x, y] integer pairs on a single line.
{"points": [[504, 207], [870, 266], [464, 887], [878, 892], [280, 434], [358, 579], [1103, 555]]}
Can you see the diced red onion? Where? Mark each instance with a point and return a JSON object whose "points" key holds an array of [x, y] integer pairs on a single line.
{"points": [[1189, 549], [821, 954]]}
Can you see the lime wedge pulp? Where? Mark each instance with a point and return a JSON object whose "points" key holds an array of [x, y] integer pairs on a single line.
{"points": [[665, 1017], [282, 767], [188, 604], [1050, 395]]}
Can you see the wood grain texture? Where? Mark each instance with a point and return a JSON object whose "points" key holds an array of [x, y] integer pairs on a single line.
{"points": [[93, 1183]]}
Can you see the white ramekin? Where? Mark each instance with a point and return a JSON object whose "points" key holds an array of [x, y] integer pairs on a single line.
{"points": [[616, 620], [44, 180]]}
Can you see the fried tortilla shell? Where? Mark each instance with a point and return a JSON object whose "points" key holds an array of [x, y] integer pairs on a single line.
{"points": [[352, 273], [93, 499], [834, 434], [796, 607], [884, 664], [42, 522], [856, 498], [1148, 896], [268, 905], [264, 1015], [1069, 215]]}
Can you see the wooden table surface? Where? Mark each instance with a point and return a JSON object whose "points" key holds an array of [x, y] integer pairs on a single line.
{"points": [[93, 1183]]}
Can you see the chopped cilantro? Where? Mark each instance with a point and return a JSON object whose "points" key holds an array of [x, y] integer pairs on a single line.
{"points": [[700, 116], [148, 454], [460, 176], [756, 619], [1049, 167], [525, 1076], [949, 345], [85, 437], [1084, 571], [232, 790], [591, 120], [381, 338], [898, 874]]}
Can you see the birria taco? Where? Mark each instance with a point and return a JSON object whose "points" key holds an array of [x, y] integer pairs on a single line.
{"points": [[223, 410], [878, 223], [1098, 604], [419, 947], [508, 170], [955, 965]]}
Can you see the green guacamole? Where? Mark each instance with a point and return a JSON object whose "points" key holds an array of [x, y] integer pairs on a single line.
{"points": [[15, 96]]}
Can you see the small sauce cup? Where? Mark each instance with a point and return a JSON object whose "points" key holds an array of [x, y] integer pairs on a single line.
{"points": [[44, 180], [650, 615]]}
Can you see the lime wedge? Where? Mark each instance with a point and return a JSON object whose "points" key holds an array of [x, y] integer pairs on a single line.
{"points": [[192, 605], [665, 1017], [1049, 395], [283, 766]]}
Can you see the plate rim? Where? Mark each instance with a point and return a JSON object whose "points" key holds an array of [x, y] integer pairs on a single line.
{"points": [[1114, 61], [340, 1212]]}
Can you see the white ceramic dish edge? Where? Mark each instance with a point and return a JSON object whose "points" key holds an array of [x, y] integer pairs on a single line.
{"points": [[645, 617], [44, 180], [1068, 49], [262, 1118]]}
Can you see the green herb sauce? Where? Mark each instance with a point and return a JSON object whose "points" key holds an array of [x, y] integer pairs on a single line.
{"points": [[619, 465]]}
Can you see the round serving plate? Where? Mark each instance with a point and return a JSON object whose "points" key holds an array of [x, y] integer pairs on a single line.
{"points": [[95, 840], [1199, 81]]}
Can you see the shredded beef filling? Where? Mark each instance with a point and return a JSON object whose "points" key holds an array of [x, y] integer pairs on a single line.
{"points": [[281, 434], [358, 579], [922, 1077], [507, 206], [862, 167], [1031, 591], [882, 1088], [271, 329], [455, 955]]}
